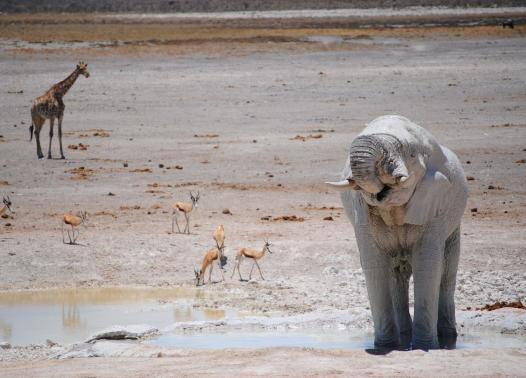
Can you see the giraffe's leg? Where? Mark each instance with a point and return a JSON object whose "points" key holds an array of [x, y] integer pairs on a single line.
{"points": [[51, 123], [38, 122], [259, 270], [60, 117]]}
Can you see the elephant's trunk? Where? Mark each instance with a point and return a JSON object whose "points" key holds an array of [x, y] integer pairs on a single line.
{"points": [[372, 156]]}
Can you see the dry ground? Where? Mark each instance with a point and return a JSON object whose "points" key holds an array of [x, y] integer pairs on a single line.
{"points": [[155, 101]]}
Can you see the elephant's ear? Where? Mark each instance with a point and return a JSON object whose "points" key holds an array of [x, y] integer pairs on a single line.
{"points": [[356, 208], [429, 199]]}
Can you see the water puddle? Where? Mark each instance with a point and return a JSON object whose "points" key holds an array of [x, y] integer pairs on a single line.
{"points": [[263, 340], [72, 315], [320, 339]]}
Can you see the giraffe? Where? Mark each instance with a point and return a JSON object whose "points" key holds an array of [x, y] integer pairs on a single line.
{"points": [[50, 106]]}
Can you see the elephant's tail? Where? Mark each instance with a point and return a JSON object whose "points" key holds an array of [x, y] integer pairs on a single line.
{"points": [[31, 132]]}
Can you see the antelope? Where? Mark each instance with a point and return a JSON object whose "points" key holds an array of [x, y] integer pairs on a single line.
{"points": [[253, 254], [219, 238], [73, 221], [186, 208], [210, 257], [7, 206]]}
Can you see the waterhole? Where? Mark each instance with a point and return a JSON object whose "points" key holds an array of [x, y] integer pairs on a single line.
{"points": [[71, 315], [304, 338], [315, 338]]}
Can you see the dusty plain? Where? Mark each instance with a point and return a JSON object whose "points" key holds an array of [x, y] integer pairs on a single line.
{"points": [[218, 109]]}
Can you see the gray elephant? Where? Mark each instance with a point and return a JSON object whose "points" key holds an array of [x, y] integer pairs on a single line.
{"points": [[405, 195]]}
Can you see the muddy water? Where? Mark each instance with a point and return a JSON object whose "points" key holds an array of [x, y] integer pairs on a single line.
{"points": [[313, 338], [305, 338], [72, 315]]}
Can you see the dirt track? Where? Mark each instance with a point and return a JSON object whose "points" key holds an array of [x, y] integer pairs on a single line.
{"points": [[165, 109]]}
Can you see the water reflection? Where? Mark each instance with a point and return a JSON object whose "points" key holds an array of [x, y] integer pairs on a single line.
{"points": [[98, 295], [72, 315], [5, 331]]}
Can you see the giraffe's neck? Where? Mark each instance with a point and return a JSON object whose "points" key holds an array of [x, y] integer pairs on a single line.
{"points": [[60, 89]]}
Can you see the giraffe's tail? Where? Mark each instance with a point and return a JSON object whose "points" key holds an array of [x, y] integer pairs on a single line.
{"points": [[31, 132]]}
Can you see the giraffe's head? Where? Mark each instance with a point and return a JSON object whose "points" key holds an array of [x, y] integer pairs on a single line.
{"points": [[83, 68]]}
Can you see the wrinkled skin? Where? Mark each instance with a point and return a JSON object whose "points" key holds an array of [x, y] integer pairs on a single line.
{"points": [[405, 195]]}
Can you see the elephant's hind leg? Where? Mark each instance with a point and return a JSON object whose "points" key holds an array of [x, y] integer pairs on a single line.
{"points": [[447, 333]]}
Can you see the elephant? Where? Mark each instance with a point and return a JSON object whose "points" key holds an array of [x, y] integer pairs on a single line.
{"points": [[405, 194]]}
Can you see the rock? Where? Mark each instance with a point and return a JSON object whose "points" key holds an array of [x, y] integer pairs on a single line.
{"points": [[227, 211], [96, 349], [328, 218], [470, 178], [5, 345], [474, 210], [124, 332], [51, 343]]}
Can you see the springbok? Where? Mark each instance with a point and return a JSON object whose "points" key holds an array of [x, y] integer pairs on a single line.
{"points": [[253, 254], [7, 206], [186, 208], [74, 221], [210, 257], [219, 237]]}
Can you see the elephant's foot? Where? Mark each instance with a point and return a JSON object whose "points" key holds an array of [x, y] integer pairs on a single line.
{"points": [[381, 348], [40, 156], [425, 345], [447, 338], [405, 340], [49, 156]]}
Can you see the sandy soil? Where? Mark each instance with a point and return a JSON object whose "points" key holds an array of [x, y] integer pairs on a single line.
{"points": [[225, 123]]}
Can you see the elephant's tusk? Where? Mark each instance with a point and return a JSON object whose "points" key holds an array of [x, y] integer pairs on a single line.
{"points": [[340, 185]]}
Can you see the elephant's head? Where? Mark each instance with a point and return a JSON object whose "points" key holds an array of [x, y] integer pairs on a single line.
{"points": [[383, 169]]}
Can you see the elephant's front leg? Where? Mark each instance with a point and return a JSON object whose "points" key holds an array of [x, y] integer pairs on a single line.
{"points": [[400, 295], [377, 269], [427, 265]]}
